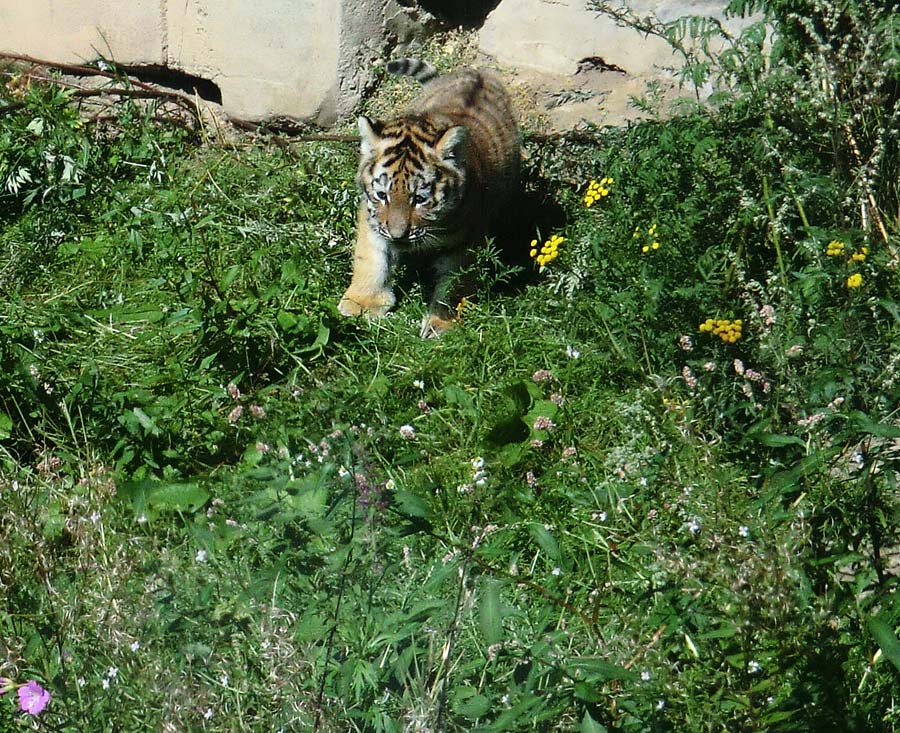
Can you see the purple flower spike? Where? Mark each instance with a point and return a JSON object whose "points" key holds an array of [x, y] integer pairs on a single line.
{"points": [[33, 698]]}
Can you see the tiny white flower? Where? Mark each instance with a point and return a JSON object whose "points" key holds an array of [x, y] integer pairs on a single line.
{"points": [[407, 432], [556, 571], [201, 556], [478, 463], [104, 683], [343, 472], [135, 645], [208, 714], [744, 530], [645, 675], [572, 352], [390, 485], [112, 673], [753, 666], [223, 680], [693, 526], [419, 384]]}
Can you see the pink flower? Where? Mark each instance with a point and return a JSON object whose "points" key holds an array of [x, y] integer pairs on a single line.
{"points": [[541, 375], [233, 390], [235, 414], [542, 422], [33, 698], [258, 412], [407, 432]]}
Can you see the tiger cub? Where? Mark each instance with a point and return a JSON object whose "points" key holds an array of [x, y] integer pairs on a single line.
{"points": [[432, 180]]}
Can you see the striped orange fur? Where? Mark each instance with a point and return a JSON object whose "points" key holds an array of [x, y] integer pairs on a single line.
{"points": [[432, 180]]}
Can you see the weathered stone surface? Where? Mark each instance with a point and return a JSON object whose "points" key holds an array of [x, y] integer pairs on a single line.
{"points": [[309, 59], [267, 56], [315, 59], [83, 31], [543, 42]]}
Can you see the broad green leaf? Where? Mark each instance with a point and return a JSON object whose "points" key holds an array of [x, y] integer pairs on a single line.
{"points": [[5, 426], [886, 638], [593, 669], [878, 429], [589, 725], [147, 422], [177, 497], [774, 440], [490, 617], [411, 504], [470, 704], [545, 540]]}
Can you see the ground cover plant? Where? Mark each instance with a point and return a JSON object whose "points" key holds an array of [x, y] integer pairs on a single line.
{"points": [[648, 484]]}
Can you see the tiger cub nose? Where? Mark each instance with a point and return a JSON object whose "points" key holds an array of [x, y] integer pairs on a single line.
{"points": [[398, 227]]}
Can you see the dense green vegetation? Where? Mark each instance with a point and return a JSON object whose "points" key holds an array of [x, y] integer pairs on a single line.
{"points": [[648, 486]]}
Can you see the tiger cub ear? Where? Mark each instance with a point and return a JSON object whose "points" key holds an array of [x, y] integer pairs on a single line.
{"points": [[452, 144], [369, 132]]}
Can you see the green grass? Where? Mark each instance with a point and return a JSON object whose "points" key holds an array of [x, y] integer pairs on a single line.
{"points": [[224, 507]]}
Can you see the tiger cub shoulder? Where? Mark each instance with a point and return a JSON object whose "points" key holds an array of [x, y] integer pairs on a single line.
{"points": [[432, 180]]}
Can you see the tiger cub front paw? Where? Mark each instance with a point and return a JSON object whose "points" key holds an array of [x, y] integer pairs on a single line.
{"points": [[373, 305]]}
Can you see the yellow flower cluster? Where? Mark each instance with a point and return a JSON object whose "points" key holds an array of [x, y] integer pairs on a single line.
{"points": [[728, 331], [855, 280], [548, 251], [651, 242], [835, 248], [597, 190]]}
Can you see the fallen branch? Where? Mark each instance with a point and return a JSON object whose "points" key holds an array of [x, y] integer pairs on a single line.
{"points": [[135, 90]]}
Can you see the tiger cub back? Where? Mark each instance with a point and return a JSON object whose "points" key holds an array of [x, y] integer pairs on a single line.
{"points": [[432, 180]]}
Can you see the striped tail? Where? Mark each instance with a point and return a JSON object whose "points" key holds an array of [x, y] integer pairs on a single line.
{"points": [[421, 71]]}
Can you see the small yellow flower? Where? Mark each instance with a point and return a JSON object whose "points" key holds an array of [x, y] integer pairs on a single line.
{"points": [[855, 280], [649, 242], [728, 331], [835, 248], [548, 252], [597, 190]]}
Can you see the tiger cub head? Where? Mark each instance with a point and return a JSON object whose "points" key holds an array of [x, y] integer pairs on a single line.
{"points": [[412, 176]]}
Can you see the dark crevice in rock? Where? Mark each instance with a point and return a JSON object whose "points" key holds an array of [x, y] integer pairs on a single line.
{"points": [[175, 79], [466, 13]]}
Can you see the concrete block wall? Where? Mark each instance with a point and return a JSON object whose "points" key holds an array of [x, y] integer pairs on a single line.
{"points": [[268, 57], [313, 59]]}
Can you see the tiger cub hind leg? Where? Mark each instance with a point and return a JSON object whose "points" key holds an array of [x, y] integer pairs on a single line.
{"points": [[452, 283]]}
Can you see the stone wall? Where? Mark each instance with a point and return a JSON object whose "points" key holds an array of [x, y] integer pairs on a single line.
{"points": [[313, 59]]}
